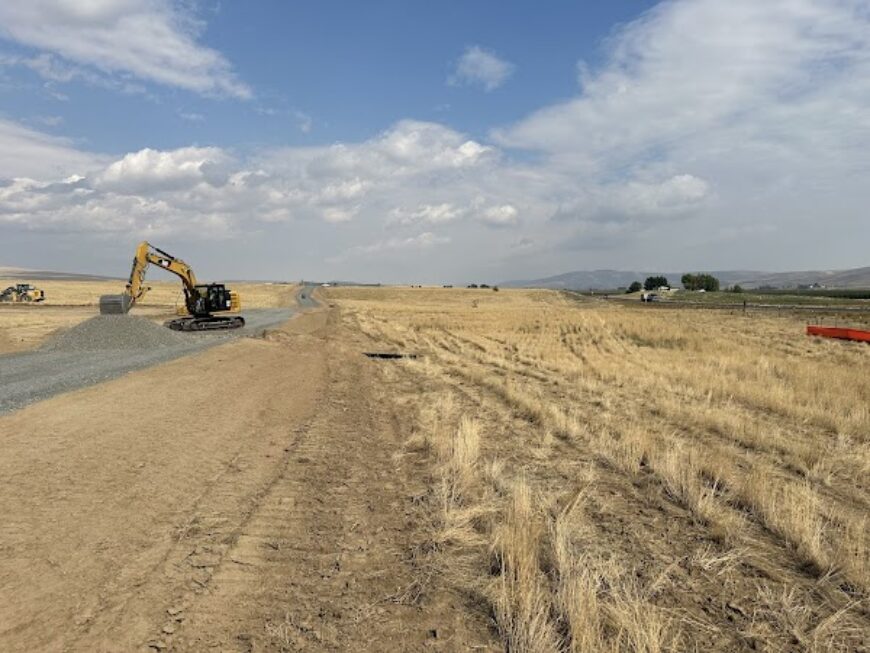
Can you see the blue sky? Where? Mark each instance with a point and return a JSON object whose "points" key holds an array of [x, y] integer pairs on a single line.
{"points": [[429, 142], [352, 69]]}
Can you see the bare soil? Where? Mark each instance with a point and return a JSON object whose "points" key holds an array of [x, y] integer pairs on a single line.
{"points": [[245, 498]]}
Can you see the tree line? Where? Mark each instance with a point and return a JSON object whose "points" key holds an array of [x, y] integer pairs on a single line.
{"points": [[700, 281]]}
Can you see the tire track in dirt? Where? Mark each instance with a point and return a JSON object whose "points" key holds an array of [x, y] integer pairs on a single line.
{"points": [[118, 499], [325, 561]]}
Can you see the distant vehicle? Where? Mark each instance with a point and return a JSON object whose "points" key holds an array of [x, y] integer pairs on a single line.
{"points": [[22, 292], [325, 285]]}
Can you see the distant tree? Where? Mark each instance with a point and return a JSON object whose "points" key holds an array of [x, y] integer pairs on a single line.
{"points": [[737, 288], [700, 282], [652, 283], [711, 283], [472, 285], [635, 286]]}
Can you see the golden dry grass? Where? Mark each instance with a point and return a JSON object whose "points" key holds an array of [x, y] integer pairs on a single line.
{"points": [[641, 480]]}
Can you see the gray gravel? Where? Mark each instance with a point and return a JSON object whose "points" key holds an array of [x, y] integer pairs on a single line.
{"points": [[115, 332], [106, 347]]}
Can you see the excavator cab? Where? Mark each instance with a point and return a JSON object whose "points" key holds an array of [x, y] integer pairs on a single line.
{"points": [[210, 298], [201, 301]]}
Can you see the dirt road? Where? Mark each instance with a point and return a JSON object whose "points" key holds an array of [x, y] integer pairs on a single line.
{"points": [[35, 375], [245, 498]]}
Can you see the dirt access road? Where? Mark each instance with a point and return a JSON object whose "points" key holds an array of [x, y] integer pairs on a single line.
{"points": [[36, 375], [244, 498]]}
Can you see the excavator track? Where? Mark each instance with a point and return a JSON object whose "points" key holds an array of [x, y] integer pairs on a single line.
{"points": [[211, 323]]}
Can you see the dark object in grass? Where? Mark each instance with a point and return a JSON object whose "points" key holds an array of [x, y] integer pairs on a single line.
{"points": [[387, 355]]}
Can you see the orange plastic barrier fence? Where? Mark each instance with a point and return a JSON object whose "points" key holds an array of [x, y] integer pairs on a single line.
{"points": [[838, 332]]}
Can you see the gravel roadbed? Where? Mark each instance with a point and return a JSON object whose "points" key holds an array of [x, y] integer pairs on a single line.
{"points": [[106, 347]]}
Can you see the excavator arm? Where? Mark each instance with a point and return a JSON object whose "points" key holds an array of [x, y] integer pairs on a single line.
{"points": [[147, 254]]}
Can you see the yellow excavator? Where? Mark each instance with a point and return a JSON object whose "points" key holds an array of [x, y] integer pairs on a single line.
{"points": [[200, 300]]}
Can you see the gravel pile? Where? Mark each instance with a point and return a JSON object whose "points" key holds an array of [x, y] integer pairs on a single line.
{"points": [[114, 333], [106, 347]]}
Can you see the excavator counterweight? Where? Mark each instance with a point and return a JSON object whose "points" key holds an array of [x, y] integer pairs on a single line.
{"points": [[200, 300]]}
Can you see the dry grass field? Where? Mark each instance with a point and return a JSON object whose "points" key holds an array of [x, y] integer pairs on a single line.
{"points": [[615, 478], [25, 326]]}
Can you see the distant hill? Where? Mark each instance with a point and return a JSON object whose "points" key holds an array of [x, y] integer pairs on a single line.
{"points": [[48, 275], [610, 279]]}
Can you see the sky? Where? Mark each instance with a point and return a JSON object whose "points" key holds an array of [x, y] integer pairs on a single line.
{"points": [[422, 142]]}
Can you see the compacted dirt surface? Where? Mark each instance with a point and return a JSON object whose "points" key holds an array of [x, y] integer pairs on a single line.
{"points": [[244, 498]]}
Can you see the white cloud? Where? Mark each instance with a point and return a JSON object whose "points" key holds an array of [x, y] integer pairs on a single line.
{"points": [[668, 199], [500, 215], [480, 67], [175, 188], [424, 240], [429, 145], [334, 214], [151, 171], [428, 213], [154, 40], [714, 112], [346, 189], [29, 153], [722, 76], [56, 71]]}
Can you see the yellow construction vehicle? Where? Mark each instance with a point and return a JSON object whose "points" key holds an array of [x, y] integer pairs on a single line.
{"points": [[22, 292], [200, 300]]}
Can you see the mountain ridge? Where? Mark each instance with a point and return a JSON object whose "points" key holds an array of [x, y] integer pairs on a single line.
{"points": [[609, 279]]}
